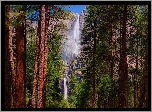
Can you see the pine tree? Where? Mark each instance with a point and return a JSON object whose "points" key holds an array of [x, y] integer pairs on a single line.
{"points": [[94, 66], [46, 52], [20, 98], [123, 63], [34, 92], [41, 58]]}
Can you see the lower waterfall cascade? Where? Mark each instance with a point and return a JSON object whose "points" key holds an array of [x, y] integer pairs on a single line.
{"points": [[65, 89]]}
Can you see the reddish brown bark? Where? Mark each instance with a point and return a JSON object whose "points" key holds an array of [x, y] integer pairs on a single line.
{"points": [[36, 70], [46, 53], [19, 100], [11, 62], [34, 93], [8, 96], [123, 63], [41, 59]]}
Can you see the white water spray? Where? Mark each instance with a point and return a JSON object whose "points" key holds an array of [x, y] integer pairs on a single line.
{"points": [[65, 89], [72, 44]]}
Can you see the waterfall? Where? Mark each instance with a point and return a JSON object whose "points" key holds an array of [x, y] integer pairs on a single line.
{"points": [[65, 89], [72, 44], [71, 48]]}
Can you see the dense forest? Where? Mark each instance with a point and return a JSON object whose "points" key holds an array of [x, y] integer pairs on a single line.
{"points": [[114, 55]]}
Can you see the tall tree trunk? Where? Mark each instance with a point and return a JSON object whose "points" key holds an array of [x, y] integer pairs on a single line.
{"points": [[135, 80], [123, 63], [34, 93], [24, 60], [46, 52], [111, 62], [94, 68], [41, 59], [20, 98], [144, 84], [8, 96], [11, 62]]}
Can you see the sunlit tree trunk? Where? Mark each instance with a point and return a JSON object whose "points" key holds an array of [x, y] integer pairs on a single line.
{"points": [[20, 98], [11, 62], [41, 59], [46, 52], [36, 65]]}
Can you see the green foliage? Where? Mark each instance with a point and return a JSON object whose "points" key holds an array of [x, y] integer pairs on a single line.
{"points": [[30, 60], [21, 10], [105, 87], [130, 94], [64, 104], [108, 20], [76, 92], [58, 11], [85, 94], [55, 71]]}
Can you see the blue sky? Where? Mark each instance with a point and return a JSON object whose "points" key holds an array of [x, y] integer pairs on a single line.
{"points": [[76, 8]]}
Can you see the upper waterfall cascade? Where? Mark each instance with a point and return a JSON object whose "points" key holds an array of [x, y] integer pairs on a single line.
{"points": [[72, 43]]}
